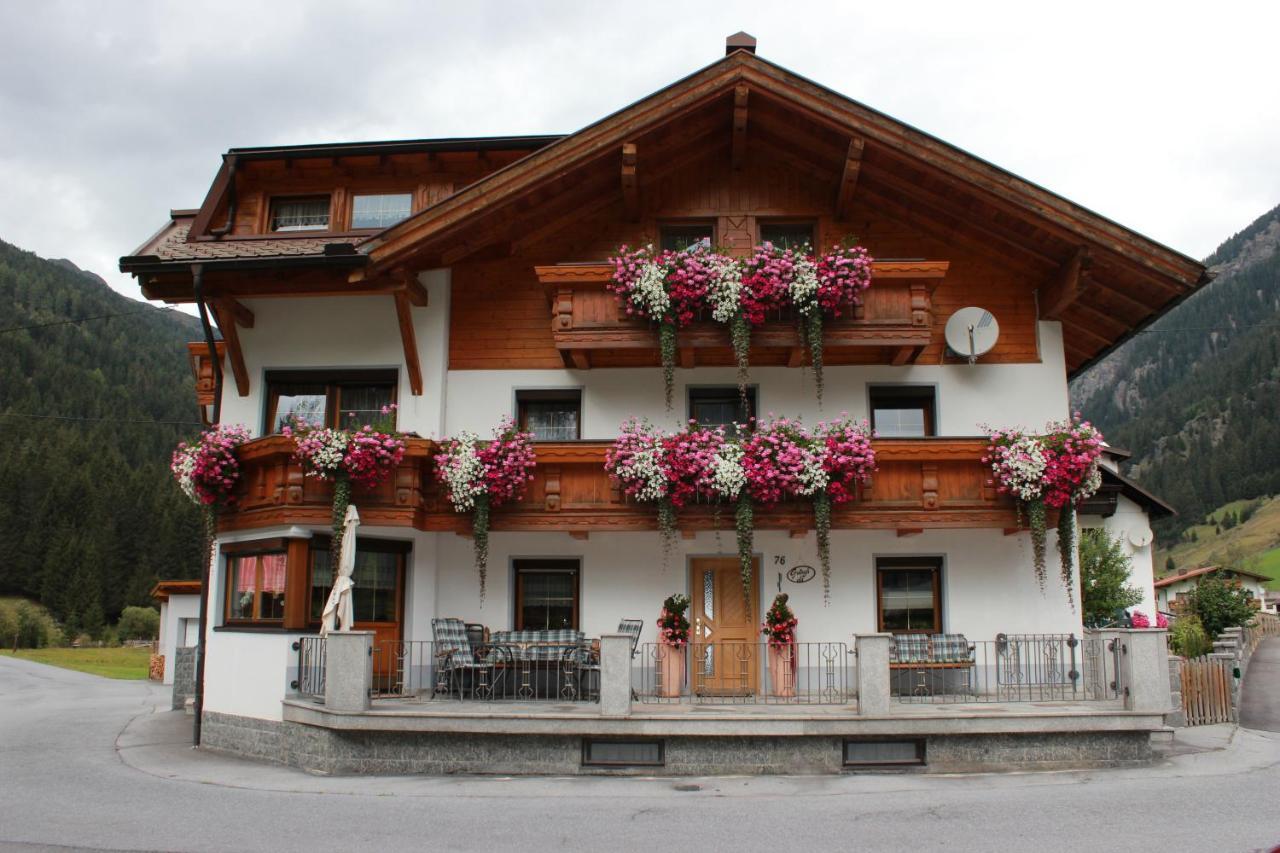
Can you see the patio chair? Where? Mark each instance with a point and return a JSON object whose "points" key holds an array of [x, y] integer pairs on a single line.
{"points": [[591, 665], [459, 664]]}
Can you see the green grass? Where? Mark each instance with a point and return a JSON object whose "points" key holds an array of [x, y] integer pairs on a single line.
{"points": [[1268, 563], [125, 662]]}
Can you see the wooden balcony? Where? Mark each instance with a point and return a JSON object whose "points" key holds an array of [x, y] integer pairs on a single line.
{"points": [[893, 324], [921, 484]]}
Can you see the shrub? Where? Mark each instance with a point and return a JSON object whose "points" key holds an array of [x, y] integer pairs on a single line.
{"points": [[25, 625], [139, 623], [1188, 638], [1220, 604], [1104, 576]]}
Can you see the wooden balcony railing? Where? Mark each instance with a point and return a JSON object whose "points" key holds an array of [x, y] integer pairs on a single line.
{"points": [[893, 324], [920, 484]]}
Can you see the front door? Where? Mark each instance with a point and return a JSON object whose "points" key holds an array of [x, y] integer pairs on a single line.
{"points": [[378, 602], [724, 641]]}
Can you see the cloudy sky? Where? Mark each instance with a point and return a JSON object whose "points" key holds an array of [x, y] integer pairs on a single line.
{"points": [[1163, 116]]}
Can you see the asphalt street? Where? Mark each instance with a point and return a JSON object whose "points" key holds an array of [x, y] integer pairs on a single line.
{"points": [[89, 763]]}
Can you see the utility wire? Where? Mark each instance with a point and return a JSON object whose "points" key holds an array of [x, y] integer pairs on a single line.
{"points": [[147, 310], [79, 419]]}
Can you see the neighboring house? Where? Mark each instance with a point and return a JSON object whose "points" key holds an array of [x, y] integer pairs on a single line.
{"points": [[1271, 601], [1173, 589], [179, 619], [465, 280]]}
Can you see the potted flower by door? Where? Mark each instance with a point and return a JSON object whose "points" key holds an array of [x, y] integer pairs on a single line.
{"points": [[780, 629], [673, 636]]}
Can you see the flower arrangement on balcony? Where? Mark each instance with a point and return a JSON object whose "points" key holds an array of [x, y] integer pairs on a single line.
{"points": [[1055, 470], [761, 465], [207, 469], [673, 623], [363, 457], [779, 628], [1138, 619], [478, 478], [672, 288]]}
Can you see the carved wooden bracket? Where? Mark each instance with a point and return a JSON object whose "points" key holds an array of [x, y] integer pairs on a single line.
{"points": [[929, 486], [551, 491]]}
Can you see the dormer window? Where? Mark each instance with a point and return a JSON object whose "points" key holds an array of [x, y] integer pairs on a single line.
{"points": [[787, 235], [300, 214], [380, 211], [685, 235]]}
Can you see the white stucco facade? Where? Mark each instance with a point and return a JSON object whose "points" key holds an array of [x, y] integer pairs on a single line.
{"points": [[179, 615]]}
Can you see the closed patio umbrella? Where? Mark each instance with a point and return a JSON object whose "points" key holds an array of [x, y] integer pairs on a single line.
{"points": [[338, 610]]}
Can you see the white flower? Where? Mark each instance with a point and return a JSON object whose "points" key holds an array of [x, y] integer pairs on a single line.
{"points": [[724, 290], [804, 286], [1092, 482], [813, 477], [728, 475], [464, 474], [1020, 467], [184, 468], [650, 291], [646, 468]]}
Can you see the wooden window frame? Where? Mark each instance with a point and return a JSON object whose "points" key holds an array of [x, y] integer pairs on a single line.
{"points": [[523, 395], [333, 380], [906, 389], [256, 550], [812, 223], [272, 201], [322, 543], [692, 390], [517, 587], [908, 563], [351, 208], [697, 222]]}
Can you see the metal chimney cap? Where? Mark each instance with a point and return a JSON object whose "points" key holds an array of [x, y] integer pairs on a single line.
{"points": [[740, 41]]}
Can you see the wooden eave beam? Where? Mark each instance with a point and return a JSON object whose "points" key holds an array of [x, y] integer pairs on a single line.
{"points": [[412, 288], [849, 178], [225, 316], [1103, 319], [630, 182], [242, 315], [1065, 286], [739, 155], [409, 340]]}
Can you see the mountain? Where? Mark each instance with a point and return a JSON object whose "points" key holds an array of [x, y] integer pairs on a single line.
{"points": [[1196, 398], [89, 515]]}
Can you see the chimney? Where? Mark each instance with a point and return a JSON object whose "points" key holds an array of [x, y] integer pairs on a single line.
{"points": [[739, 41]]}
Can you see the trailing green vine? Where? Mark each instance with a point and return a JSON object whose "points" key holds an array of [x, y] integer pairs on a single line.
{"points": [[667, 343], [744, 522], [667, 528], [740, 334], [822, 526], [480, 530], [341, 500], [1036, 517], [813, 335], [1067, 547]]}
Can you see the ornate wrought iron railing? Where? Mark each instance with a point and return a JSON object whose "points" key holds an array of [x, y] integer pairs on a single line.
{"points": [[424, 670], [1013, 668], [311, 663], [744, 673]]}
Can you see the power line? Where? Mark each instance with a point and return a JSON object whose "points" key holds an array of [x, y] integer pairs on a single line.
{"points": [[80, 419], [147, 310], [1239, 328]]}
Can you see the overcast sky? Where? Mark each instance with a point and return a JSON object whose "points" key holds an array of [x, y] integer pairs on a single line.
{"points": [[1165, 117]]}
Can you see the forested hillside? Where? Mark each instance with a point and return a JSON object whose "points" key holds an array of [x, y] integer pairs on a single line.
{"points": [[1197, 399], [89, 517]]}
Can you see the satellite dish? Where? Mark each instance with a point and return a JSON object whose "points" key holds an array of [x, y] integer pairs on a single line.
{"points": [[1140, 537], [972, 332]]}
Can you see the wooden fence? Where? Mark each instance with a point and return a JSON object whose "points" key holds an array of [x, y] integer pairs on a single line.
{"points": [[1206, 690]]}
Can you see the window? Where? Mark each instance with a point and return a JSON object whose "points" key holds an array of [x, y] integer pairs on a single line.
{"points": [[721, 405], [349, 400], [872, 753], [380, 211], [255, 587], [908, 595], [787, 235], [551, 415], [677, 238], [623, 753], [546, 595], [300, 214], [902, 411], [375, 593]]}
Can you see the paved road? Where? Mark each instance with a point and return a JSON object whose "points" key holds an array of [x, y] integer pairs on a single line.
{"points": [[87, 763], [1260, 693]]}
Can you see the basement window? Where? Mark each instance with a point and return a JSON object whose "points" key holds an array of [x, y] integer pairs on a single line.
{"points": [[883, 753], [300, 214], [623, 753]]}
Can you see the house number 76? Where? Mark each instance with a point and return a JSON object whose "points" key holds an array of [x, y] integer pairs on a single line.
{"points": [[779, 560]]}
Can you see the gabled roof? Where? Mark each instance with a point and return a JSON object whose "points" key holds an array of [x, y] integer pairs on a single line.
{"points": [[1191, 574], [1102, 280], [164, 589]]}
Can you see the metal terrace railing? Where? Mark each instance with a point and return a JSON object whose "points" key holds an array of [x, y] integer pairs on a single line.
{"points": [[744, 674], [425, 670], [1012, 668], [311, 666]]}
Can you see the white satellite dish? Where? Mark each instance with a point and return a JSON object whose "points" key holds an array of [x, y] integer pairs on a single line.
{"points": [[1140, 537], [972, 332]]}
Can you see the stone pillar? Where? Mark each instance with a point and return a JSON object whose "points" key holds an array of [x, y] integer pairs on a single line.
{"points": [[1145, 670], [873, 673], [615, 675], [348, 670], [1176, 717], [184, 676]]}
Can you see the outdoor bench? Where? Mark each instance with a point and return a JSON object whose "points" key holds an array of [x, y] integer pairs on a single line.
{"points": [[927, 655]]}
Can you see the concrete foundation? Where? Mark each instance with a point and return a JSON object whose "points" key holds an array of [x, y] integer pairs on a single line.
{"points": [[345, 751]]}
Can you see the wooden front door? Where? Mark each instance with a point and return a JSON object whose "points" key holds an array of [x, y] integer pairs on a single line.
{"points": [[724, 629], [379, 607]]}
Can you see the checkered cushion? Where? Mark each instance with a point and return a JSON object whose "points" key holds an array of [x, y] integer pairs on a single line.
{"points": [[949, 648], [452, 644], [909, 648], [632, 628], [538, 645]]}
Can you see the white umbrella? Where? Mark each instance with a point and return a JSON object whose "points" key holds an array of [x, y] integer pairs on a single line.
{"points": [[338, 611]]}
